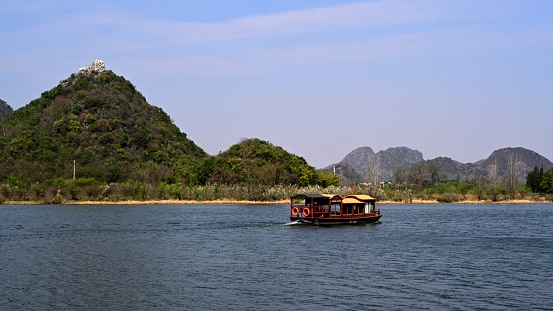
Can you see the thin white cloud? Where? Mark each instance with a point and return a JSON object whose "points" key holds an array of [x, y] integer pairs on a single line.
{"points": [[347, 16], [154, 31], [178, 46]]}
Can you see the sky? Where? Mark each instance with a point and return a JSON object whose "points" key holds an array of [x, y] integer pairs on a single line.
{"points": [[449, 78]]}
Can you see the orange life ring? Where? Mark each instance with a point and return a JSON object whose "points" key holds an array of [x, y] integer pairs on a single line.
{"points": [[295, 211], [306, 211]]}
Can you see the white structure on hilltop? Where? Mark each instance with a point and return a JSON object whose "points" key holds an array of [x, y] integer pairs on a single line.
{"points": [[97, 65]]}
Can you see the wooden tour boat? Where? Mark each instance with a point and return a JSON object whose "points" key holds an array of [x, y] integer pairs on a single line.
{"points": [[330, 209]]}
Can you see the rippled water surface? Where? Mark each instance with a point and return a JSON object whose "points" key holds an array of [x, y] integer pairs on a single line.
{"points": [[233, 257]]}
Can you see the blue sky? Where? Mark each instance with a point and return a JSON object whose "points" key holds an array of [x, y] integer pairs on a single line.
{"points": [[320, 78]]}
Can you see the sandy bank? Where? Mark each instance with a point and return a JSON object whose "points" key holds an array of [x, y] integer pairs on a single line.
{"points": [[228, 202], [152, 202], [415, 201]]}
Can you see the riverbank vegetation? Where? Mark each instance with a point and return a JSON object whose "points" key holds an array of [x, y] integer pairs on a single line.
{"points": [[90, 190], [94, 137]]}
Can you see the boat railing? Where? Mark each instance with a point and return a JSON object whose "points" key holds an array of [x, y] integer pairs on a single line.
{"points": [[309, 211], [320, 211]]}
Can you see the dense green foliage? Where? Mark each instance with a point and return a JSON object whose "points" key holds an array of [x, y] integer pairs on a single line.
{"points": [[100, 128], [251, 170], [259, 165], [539, 181], [100, 121]]}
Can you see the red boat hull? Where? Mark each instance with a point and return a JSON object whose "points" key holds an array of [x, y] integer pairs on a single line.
{"points": [[337, 220]]}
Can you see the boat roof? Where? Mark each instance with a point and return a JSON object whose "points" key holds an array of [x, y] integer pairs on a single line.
{"points": [[309, 196], [351, 200], [361, 197], [332, 196]]}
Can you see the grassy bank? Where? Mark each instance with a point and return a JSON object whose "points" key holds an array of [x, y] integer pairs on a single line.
{"points": [[138, 193]]}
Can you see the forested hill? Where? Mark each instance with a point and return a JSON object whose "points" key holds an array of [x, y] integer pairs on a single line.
{"points": [[100, 121], [256, 162], [5, 110]]}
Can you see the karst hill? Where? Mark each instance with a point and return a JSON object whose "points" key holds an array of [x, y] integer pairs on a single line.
{"points": [[97, 125], [403, 164]]}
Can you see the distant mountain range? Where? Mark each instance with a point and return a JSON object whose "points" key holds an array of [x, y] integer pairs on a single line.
{"points": [[391, 160]]}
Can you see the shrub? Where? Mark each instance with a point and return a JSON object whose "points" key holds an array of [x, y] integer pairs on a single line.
{"points": [[449, 197]]}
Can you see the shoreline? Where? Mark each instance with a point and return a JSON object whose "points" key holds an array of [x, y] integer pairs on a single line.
{"points": [[468, 202], [151, 202], [237, 202]]}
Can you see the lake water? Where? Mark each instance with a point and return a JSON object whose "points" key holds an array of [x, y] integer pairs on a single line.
{"points": [[246, 257]]}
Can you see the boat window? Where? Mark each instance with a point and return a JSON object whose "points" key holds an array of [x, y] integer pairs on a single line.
{"points": [[348, 209], [371, 207], [367, 208], [335, 209]]}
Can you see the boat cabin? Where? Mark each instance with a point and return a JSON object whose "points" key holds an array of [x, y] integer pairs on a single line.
{"points": [[331, 208]]}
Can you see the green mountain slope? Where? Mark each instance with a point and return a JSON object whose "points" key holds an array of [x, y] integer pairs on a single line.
{"points": [[100, 121], [255, 162]]}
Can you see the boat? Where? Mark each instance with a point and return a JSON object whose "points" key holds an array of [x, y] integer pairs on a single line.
{"points": [[332, 209]]}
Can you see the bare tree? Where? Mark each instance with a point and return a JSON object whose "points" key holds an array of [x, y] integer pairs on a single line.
{"points": [[493, 180], [373, 169], [511, 179]]}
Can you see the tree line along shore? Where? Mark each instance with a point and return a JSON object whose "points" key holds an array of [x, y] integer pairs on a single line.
{"points": [[81, 192]]}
